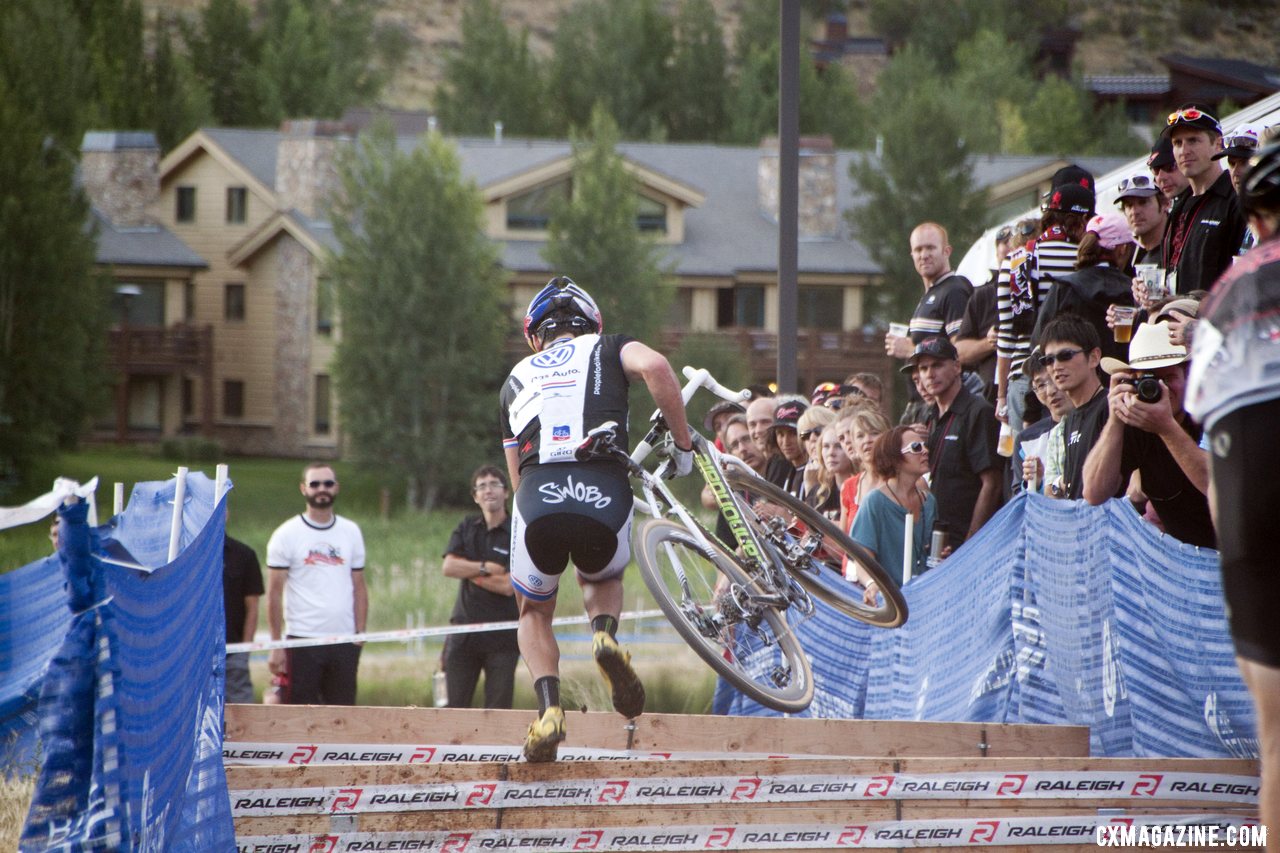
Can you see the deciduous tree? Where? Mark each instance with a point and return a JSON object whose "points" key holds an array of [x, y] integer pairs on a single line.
{"points": [[420, 298]]}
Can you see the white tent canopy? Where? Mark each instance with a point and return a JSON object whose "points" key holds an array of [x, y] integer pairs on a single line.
{"points": [[976, 264]]}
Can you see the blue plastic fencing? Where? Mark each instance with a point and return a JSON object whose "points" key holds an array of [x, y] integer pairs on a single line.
{"points": [[131, 707], [1056, 612]]}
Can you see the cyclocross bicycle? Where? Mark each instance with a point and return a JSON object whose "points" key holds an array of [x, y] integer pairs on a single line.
{"points": [[730, 601]]}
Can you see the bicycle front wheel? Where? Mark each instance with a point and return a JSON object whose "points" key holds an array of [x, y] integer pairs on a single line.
{"points": [[814, 550], [746, 641]]}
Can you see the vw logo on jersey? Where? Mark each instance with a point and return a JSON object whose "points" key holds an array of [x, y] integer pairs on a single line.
{"points": [[553, 357]]}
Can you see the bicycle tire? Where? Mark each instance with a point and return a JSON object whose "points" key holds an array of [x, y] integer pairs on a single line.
{"points": [[755, 660], [824, 578]]}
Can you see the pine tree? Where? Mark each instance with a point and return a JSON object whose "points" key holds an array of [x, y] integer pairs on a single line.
{"points": [[699, 78], [225, 51], [420, 297], [179, 103]]}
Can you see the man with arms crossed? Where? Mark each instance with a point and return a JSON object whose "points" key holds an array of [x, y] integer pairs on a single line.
{"points": [[575, 381], [316, 587]]}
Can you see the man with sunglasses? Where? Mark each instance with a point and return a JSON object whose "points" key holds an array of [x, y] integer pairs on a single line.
{"points": [[1070, 354], [316, 588], [576, 379], [1144, 209], [1205, 225]]}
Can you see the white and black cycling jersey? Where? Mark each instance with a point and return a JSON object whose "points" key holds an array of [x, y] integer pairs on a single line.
{"points": [[553, 397]]}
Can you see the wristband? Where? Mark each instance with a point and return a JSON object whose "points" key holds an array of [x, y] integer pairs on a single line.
{"points": [[688, 449]]}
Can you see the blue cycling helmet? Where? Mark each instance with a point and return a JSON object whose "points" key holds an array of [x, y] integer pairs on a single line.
{"points": [[561, 296]]}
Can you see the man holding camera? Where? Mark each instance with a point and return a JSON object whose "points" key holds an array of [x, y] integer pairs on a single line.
{"points": [[1149, 431]]}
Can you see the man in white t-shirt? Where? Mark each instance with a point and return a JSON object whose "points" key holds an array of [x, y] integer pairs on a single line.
{"points": [[316, 587]]}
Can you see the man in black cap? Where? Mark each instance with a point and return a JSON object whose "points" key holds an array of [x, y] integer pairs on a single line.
{"points": [[1205, 226], [1164, 169], [963, 463], [1238, 147]]}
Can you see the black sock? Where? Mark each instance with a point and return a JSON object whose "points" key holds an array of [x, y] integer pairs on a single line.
{"points": [[547, 689], [605, 622]]}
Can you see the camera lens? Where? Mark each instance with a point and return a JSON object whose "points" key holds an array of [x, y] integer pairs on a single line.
{"points": [[1148, 389]]}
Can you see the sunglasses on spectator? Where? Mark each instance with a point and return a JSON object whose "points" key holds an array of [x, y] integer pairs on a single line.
{"points": [[1137, 182], [810, 433], [1191, 114], [1004, 234], [328, 484], [913, 447], [1062, 356]]}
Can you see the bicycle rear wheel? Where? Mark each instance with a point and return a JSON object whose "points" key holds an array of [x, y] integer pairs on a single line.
{"points": [[820, 571], [746, 641]]}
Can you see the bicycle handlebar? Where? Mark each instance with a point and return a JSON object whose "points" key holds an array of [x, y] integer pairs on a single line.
{"points": [[701, 378]]}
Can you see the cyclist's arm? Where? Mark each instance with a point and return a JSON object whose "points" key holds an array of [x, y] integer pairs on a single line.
{"points": [[644, 363], [513, 466]]}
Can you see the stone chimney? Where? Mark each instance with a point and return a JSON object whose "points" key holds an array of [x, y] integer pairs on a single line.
{"points": [[306, 164], [819, 214], [837, 29], [120, 171]]}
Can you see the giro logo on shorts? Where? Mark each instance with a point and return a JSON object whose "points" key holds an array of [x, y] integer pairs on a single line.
{"points": [[553, 357], [557, 493]]}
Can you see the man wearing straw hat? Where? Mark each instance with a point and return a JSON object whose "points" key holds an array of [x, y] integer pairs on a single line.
{"points": [[1149, 431]]}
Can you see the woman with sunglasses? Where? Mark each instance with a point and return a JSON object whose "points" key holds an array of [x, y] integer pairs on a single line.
{"points": [[818, 493], [900, 458]]}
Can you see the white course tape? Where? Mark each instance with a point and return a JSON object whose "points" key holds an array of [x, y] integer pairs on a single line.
{"points": [[416, 633], [259, 754], [677, 791], [1195, 830]]}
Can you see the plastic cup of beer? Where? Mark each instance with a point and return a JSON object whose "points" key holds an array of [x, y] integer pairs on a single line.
{"points": [[1123, 328], [1153, 278], [899, 330]]}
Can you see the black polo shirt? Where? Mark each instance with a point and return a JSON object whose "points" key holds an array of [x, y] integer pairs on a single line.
{"points": [[241, 577], [1183, 509], [962, 444], [979, 317], [472, 539], [941, 309], [1214, 227], [1080, 430]]}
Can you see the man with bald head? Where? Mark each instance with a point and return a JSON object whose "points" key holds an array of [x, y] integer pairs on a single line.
{"points": [[759, 420], [946, 294]]}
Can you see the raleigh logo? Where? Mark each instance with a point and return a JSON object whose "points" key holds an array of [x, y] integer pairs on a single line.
{"points": [[746, 789], [851, 837], [481, 794], [423, 755], [346, 800], [323, 844], [984, 832], [878, 786], [589, 839], [1147, 785], [456, 842], [720, 837], [613, 791], [1011, 785], [303, 755]]}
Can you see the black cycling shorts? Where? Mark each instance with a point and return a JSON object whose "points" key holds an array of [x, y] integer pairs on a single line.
{"points": [[569, 510], [1246, 485]]}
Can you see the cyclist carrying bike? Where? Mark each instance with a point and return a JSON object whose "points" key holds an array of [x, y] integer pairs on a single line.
{"points": [[576, 379]]}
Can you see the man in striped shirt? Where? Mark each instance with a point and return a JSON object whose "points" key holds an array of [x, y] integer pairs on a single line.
{"points": [[946, 294], [1023, 286]]}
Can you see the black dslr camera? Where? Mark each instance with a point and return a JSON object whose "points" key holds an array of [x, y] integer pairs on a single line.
{"points": [[1147, 387]]}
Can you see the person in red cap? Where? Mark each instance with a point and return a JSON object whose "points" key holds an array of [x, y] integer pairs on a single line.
{"points": [[1205, 226]]}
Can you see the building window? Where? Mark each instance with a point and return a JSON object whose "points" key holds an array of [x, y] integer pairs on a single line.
{"points": [[532, 211], [680, 311], [820, 308], [741, 306], [234, 302], [651, 216], [186, 209], [232, 398], [189, 301], [237, 205], [324, 404], [188, 397], [324, 306], [138, 303]]}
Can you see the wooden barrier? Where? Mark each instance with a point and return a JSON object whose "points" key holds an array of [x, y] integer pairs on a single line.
{"points": [[889, 749]]}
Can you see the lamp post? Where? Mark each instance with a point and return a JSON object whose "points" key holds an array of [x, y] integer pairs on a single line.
{"points": [[788, 190], [125, 294]]}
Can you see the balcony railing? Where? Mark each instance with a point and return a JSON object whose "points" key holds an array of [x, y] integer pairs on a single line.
{"points": [[155, 349]]}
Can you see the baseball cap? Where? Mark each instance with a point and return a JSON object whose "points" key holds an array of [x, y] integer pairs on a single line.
{"points": [[824, 391], [1189, 115], [1073, 174], [788, 414], [1241, 142], [1161, 156], [1072, 198], [1112, 229], [937, 347], [720, 408], [1140, 185]]}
